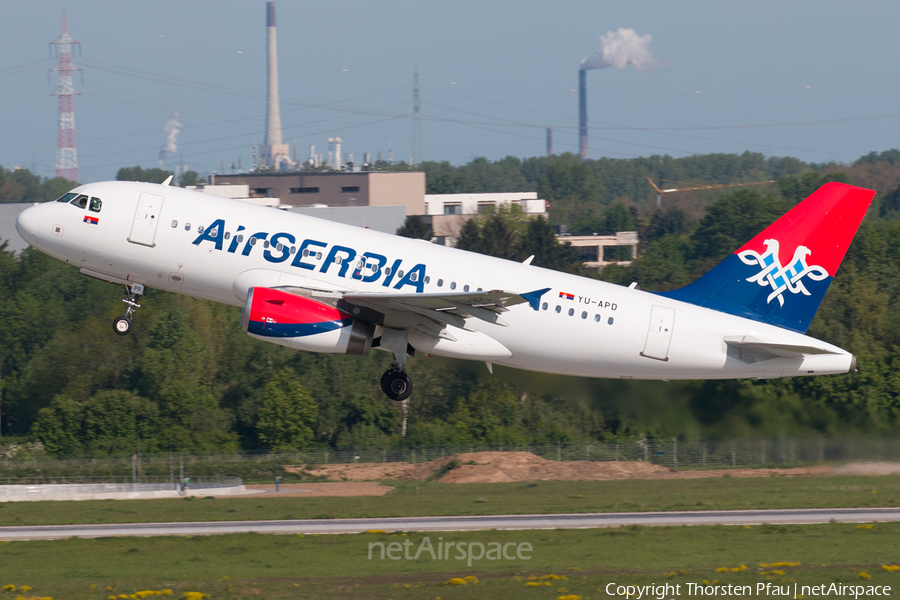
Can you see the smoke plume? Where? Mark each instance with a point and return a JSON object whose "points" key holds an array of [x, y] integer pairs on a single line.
{"points": [[172, 128], [620, 49]]}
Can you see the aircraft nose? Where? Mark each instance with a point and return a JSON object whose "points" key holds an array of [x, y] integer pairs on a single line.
{"points": [[28, 224]]}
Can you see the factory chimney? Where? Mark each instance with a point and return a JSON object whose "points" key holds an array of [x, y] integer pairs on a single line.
{"points": [[582, 114], [549, 141], [274, 153]]}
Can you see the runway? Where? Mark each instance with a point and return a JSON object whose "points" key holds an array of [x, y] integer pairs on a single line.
{"points": [[472, 523]]}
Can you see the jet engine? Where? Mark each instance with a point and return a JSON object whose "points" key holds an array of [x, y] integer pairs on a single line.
{"points": [[303, 323]]}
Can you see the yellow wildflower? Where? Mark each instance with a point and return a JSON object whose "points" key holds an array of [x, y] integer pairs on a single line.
{"points": [[471, 578], [25, 588], [890, 568], [864, 575], [376, 531], [780, 564], [532, 584], [456, 581], [9, 588], [869, 526]]}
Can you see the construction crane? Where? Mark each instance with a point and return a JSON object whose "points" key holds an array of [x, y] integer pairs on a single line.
{"points": [[717, 186]]}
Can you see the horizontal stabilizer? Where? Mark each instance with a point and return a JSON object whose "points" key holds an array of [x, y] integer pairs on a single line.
{"points": [[751, 348]]}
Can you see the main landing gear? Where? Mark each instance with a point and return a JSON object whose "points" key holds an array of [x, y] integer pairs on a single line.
{"points": [[122, 325], [395, 383]]}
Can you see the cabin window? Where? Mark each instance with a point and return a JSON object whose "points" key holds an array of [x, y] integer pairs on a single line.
{"points": [[466, 288], [279, 247], [414, 277], [266, 244], [174, 224], [610, 320], [558, 309], [427, 279], [338, 260], [596, 318], [571, 311], [214, 232], [387, 272], [440, 283], [293, 249], [480, 290], [400, 273], [240, 238], [187, 226], [96, 203], [584, 315], [253, 241], [305, 252], [66, 197], [200, 229], [453, 285], [544, 306], [227, 235]]}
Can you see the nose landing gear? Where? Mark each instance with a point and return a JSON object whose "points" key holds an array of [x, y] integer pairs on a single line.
{"points": [[122, 325]]}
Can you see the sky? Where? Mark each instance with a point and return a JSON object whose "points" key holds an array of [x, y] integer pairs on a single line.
{"points": [[816, 80]]}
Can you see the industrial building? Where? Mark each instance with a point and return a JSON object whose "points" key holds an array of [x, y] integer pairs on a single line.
{"points": [[356, 188]]}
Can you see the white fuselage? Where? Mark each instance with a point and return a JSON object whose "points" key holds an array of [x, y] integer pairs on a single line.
{"points": [[604, 330]]}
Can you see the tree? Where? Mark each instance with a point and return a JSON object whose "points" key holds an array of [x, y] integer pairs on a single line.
{"points": [[119, 420], [190, 178], [287, 414], [415, 227], [59, 426], [152, 175]]}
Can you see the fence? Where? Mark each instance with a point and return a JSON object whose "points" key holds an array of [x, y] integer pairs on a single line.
{"points": [[668, 453]]}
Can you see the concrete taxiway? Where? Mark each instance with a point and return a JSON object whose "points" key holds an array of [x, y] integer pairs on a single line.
{"points": [[471, 523]]}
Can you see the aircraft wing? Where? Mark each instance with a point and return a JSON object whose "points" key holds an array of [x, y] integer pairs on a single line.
{"points": [[446, 308], [752, 350]]}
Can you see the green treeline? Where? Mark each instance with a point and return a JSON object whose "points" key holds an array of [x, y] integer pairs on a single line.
{"points": [[188, 379]]}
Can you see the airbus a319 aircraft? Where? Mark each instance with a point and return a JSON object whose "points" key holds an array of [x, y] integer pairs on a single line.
{"points": [[320, 286]]}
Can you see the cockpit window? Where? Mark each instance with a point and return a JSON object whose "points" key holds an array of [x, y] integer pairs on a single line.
{"points": [[66, 197], [96, 203], [80, 201]]}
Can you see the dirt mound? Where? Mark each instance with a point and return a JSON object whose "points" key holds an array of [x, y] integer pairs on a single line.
{"points": [[500, 467], [495, 467]]}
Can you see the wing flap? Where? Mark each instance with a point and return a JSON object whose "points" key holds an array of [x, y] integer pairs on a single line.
{"points": [[450, 308]]}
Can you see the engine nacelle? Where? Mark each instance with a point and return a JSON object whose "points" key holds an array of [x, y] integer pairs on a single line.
{"points": [[303, 323]]}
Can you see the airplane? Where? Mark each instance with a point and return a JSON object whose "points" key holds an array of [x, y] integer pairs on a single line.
{"points": [[320, 286]]}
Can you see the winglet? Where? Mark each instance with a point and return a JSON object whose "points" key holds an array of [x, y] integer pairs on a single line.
{"points": [[167, 181], [534, 298]]}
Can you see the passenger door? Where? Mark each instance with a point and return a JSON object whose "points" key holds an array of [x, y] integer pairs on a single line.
{"points": [[659, 333], [146, 219]]}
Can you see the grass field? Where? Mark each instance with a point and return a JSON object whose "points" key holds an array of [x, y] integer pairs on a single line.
{"points": [[563, 562], [420, 499]]}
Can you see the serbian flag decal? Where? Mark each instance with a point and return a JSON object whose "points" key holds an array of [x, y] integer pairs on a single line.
{"points": [[89, 220], [566, 296]]}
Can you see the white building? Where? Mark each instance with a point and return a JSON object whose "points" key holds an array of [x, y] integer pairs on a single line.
{"points": [[447, 213]]}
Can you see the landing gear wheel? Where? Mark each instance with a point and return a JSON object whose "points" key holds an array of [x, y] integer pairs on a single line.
{"points": [[122, 325], [396, 385]]}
